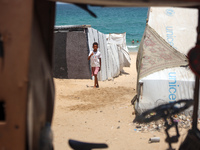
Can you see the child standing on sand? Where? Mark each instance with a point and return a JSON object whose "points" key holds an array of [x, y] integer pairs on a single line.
{"points": [[95, 62]]}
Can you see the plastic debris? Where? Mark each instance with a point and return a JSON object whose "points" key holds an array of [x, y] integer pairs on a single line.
{"points": [[183, 121], [138, 126], [154, 139]]}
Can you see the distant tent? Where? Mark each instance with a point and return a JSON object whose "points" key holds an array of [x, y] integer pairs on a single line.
{"points": [[70, 52], [72, 45], [163, 74], [119, 39]]}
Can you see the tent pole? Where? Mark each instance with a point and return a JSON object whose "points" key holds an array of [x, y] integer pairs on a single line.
{"points": [[196, 103], [196, 90]]}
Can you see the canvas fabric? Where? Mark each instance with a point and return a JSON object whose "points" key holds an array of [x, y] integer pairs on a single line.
{"points": [[156, 54], [169, 34], [120, 40]]}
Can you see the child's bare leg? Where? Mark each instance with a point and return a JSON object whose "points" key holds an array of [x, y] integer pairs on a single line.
{"points": [[95, 81]]}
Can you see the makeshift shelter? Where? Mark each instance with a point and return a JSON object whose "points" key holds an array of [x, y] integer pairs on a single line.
{"points": [[119, 39], [72, 45], [163, 72], [70, 52]]}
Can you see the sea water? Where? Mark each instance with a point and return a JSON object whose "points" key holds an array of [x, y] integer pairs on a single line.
{"points": [[131, 20]]}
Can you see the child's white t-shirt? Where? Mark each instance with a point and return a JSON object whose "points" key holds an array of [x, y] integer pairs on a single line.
{"points": [[94, 59]]}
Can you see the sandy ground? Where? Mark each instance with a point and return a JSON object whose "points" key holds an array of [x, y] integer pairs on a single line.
{"points": [[101, 115]]}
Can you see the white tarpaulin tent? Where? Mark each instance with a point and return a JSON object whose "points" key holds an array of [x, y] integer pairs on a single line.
{"points": [[112, 53], [96, 36], [163, 75], [72, 44], [120, 40]]}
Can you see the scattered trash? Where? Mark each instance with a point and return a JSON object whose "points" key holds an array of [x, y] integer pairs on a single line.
{"points": [[118, 127], [154, 139], [138, 126], [183, 121], [153, 114], [135, 129], [133, 113]]}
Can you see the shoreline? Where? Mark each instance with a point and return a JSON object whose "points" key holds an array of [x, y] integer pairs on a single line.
{"points": [[133, 53]]}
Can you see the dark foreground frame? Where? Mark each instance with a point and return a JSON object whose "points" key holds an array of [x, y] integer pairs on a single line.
{"points": [[26, 81]]}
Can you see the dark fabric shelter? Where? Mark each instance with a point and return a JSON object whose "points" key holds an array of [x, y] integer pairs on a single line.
{"points": [[71, 52]]}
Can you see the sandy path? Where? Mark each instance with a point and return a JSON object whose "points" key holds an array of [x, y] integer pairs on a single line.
{"points": [[101, 115]]}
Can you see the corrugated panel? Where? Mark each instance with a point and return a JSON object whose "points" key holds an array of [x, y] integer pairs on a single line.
{"points": [[121, 58], [90, 38], [106, 55], [110, 61], [114, 60], [63, 27], [103, 59], [95, 34]]}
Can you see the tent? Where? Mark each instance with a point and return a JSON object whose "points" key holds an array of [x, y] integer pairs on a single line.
{"points": [[119, 39], [162, 65], [114, 51], [70, 52], [72, 45]]}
